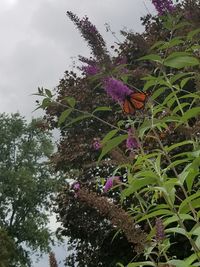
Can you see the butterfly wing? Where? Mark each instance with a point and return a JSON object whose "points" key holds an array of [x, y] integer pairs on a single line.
{"points": [[133, 102], [128, 108], [138, 100]]}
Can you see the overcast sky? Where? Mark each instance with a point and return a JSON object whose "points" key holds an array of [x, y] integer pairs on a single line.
{"points": [[38, 42]]}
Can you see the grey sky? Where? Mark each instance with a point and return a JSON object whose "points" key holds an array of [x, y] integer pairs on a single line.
{"points": [[38, 41]]}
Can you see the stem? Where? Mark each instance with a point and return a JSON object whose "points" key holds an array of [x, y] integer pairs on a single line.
{"points": [[91, 115]]}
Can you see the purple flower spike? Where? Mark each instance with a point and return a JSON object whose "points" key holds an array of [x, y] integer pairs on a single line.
{"points": [[131, 141], [111, 182], [116, 89], [163, 6], [160, 234], [90, 69]]}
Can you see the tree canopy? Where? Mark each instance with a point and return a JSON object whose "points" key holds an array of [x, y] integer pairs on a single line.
{"points": [[27, 183]]}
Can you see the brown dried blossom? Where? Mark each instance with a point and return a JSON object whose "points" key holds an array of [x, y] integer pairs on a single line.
{"points": [[52, 260], [117, 216]]}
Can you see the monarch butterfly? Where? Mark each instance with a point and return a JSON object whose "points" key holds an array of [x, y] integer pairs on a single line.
{"points": [[134, 101]]}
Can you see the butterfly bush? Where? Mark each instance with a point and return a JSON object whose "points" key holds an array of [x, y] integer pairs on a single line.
{"points": [[116, 89], [163, 6]]}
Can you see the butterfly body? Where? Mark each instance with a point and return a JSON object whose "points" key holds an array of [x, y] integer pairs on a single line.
{"points": [[134, 101]]}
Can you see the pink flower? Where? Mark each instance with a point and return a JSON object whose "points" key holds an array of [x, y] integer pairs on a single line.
{"points": [[112, 181]]}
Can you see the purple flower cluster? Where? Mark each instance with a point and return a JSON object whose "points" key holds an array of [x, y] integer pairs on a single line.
{"points": [[96, 144], [163, 6], [131, 141], [112, 181], [76, 186], [160, 234], [116, 89], [90, 69]]}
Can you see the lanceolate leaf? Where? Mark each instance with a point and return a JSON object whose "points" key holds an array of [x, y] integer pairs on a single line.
{"points": [[64, 116], [180, 60], [112, 144], [191, 113], [141, 263]]}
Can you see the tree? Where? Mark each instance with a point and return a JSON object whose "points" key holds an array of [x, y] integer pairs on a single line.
{"points": [[26, 185]]}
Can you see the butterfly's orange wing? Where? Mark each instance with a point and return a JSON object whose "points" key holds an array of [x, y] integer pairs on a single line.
{"points": [[128, 108], [134, 101]]}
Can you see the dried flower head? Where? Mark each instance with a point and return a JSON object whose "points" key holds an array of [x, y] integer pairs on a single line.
{"points": [[52, 260], [118, 217], [91, 35]]}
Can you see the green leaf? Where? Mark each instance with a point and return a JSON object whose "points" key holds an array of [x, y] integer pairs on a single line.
{"points": [[80, 118], [179, 263], [157, 44], [154, 214], [158, 92], [112, 144], [188, 200], [178, 76], [45, 102], [181, 25], [191, 113], [109, 135], [64, 116], [191, 34], [137, 184], [180, 60], [179, 107], [177, 231], [184, 81], [102, 109], [175, 218], [173, 42], [71, 101], [192, 258], [48, 93], [152, 57], [141, 263], [195, 230], [183, 143]]}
